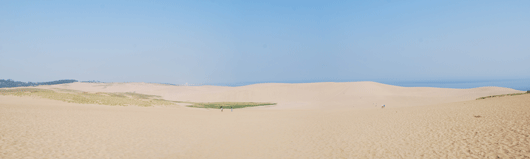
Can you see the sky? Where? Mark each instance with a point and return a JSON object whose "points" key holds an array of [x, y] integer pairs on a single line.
{"points": [[201, 42]]}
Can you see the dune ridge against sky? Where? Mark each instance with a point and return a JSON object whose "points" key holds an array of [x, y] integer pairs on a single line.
{"points": [[473, 48], [301, 95]]}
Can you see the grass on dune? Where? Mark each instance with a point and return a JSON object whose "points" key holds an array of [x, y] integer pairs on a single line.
{"points": [[502, 95], [226, 105], [73, 96], [116, 99]]}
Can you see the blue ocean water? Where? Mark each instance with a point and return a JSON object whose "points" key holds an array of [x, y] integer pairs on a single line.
{"points": [[517, 84]]}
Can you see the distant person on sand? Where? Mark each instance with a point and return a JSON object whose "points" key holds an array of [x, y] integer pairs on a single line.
{"points": [[231, 109], [383, 106], [221, 108]]}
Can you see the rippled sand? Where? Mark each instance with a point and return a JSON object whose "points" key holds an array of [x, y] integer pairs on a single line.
{"points": [[41, 128]]}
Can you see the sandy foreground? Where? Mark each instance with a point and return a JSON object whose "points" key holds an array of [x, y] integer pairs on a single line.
{"points": [[323, 120]]}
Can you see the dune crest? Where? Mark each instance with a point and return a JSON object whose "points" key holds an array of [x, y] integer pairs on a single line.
{"points": [[325, 95]]}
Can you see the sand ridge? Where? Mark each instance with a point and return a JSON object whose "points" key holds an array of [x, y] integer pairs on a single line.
{"points": [[325, 95]]}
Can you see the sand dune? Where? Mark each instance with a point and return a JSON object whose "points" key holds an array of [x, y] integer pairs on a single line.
{"points": [[447, 123], [328, 95], [50, 129]]}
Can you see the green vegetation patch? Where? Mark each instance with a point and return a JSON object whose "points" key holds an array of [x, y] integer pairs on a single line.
{"points": [[226, 105], [121, 99], [140, 96], [502, 95], [73, 96]]}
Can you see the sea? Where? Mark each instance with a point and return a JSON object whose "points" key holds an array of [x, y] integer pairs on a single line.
{"points": [[517, 84]]}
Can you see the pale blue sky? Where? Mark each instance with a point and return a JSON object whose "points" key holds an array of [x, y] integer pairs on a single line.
{"points": [[241, 41]]}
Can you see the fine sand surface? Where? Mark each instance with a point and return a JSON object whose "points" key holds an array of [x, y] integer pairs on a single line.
{"points": [[328, 95], [317, 121]]}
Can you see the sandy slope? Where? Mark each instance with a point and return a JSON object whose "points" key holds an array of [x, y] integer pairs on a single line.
{"points": [[318, 120], [327, 95], [43, 128]]}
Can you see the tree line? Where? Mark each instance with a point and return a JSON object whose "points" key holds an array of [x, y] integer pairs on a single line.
{"points": [[10, 83]]}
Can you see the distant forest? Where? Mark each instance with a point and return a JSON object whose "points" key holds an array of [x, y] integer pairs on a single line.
{"points": [[10, 83]]}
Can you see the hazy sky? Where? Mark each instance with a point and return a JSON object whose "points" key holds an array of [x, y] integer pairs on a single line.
{"points": [[241, 41]]}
